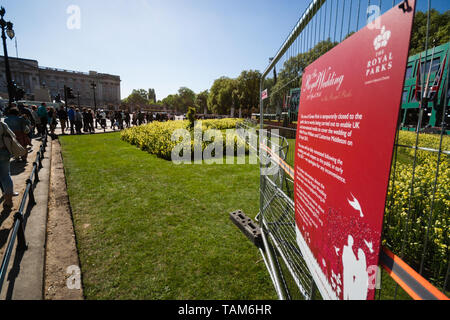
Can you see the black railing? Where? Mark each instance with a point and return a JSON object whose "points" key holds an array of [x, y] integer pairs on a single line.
{"points": [[19, 222]]}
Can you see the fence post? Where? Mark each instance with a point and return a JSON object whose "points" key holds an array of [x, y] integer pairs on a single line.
{"points": [[36, 172], [21, 242], [31, 191]]}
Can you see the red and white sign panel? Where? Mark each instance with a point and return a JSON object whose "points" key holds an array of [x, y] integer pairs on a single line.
{"points": [[347, 119], [264, 95]]}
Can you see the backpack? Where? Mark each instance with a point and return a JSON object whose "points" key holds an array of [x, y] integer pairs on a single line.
{"points": [[42, 112], [9, 142]]}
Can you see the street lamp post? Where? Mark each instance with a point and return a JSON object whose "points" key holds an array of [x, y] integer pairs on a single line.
{"points": [[7, 29], [93, 86]]}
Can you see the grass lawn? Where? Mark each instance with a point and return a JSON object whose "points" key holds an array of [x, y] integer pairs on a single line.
{"points": [[149, 229]]}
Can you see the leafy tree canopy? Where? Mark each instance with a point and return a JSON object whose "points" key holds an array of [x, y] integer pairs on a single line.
{"points": [[439, 30]]}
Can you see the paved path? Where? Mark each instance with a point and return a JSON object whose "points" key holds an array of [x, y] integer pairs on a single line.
{"points": [[98, 130], [25, 276], [25, 270]]}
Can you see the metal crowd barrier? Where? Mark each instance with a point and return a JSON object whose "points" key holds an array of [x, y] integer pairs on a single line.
{"points": [[18, 230], [274, 233]]}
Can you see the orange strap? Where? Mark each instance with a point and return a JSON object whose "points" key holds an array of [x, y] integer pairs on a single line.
{"points": [[412, 282]]}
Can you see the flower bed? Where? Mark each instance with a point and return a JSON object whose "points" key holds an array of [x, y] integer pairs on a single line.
{"points": [[156, 137], [424, 200]]}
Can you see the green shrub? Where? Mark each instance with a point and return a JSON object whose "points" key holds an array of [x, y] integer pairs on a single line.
{"points": [[191, 117], [422, 198], [156, 137]]}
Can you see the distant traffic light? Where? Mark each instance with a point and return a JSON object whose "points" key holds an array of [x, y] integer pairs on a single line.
{"points": [[69, 93], [20, 93], [17, 92]]}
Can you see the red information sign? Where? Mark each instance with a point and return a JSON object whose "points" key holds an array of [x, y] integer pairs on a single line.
{"points": [[348, 113]]}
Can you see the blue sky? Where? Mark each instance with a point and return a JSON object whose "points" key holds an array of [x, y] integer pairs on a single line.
{"points": [[155, 43]]}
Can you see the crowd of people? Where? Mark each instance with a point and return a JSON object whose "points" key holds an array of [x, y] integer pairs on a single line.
{"points": [[20, 122], [85, 120], [27, 122], [72, 120], [124, 119]]}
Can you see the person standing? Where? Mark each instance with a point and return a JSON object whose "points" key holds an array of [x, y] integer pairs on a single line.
{"points": [[28, 128], [103, 120], [114, 121], [97, 119], [71, 116], [127, 119], [5, 172], [140, 118], [52, 120], [134, 119], [37, 121], [18, 126], [112, 118], [120, 120], [90, 120], [62, 115], [84, 113], [43, 117], [78, 121]]}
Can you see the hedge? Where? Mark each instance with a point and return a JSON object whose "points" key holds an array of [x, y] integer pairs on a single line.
{"points": [[156, 137], [422, 198]]}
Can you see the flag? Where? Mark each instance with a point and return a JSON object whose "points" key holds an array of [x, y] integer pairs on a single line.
{"points": [[434, 89]]}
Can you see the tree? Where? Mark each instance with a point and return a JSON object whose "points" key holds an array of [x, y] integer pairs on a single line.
{"points": [[220, 98], [137, 98], [172, 101], [151, 96], [201, 101], [187, 98], [247, 93], [225, 98], [439, 30], [180, 101]]}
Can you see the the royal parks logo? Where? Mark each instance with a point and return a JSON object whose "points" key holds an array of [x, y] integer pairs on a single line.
{"points": [[382, 62], [382, 39]]}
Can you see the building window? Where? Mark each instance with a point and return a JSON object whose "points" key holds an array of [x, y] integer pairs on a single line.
{"points": [[434, 67], [408, 72], [413, 95], [405, 96]]}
